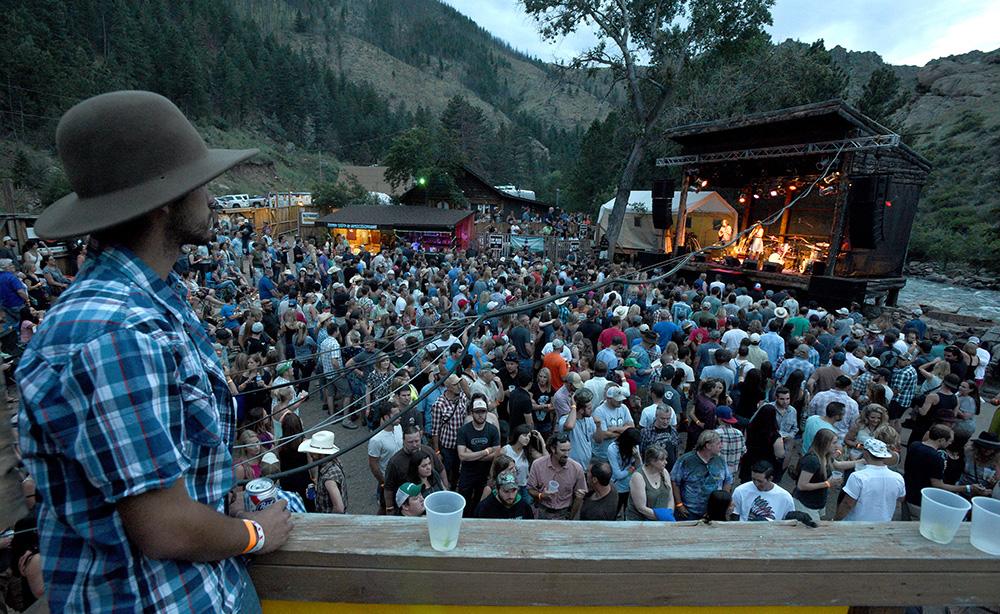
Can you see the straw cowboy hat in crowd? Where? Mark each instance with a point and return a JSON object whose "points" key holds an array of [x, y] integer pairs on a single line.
{"points": [[125, 154]]}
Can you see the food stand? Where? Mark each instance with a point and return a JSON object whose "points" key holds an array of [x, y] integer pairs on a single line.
{"points": [[424, 229]]}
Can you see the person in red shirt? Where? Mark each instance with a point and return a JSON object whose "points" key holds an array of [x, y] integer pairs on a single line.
{"points": [[556, 364], [604, 340]]}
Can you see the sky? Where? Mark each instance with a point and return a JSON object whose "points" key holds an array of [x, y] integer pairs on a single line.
{"points": [[901, 31]]}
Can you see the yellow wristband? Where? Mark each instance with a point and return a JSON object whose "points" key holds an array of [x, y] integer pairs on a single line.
{"points": [[252, 530]]}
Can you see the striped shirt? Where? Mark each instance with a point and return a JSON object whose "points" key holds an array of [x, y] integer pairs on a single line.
{"points": [[122, 395]]}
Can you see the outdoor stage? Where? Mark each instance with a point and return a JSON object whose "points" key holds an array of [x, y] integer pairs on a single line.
{"points": [[826, 199]]}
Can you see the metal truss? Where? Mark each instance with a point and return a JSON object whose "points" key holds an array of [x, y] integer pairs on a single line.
{"points": [[864, 143]]}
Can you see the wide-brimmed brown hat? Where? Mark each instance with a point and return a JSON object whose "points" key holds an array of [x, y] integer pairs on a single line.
{"points": [[126, 154]]}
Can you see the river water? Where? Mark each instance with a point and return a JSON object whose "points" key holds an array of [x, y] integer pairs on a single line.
{"points": [[967, 301]]}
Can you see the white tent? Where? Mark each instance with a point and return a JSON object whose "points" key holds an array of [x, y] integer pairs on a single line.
{"points": [[705, 211]]}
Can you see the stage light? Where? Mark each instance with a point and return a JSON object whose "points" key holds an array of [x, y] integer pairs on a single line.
{"points": [[756, 196], [704, 183], [743, 199], [827, 190], [792, 188], [774, 193], [888, 203]]}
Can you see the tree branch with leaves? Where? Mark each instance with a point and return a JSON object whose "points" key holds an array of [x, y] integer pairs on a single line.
{"points": [[648, 45]]}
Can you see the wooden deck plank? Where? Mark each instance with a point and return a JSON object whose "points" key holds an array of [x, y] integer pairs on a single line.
{"points": [[373, 559]]}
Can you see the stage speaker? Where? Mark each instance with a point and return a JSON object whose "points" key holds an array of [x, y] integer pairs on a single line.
{"points": [[866, 203], [772, 267], [731, 261], [663, 198], [750, 265]]}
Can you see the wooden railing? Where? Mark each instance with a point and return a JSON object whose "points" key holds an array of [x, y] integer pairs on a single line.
{"points": [[381, 561]]}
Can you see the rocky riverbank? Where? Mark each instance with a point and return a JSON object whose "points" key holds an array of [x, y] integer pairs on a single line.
{"points": [[958, 275]]}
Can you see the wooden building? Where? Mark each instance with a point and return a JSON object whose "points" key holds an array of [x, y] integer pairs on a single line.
{"points": [[481, 195], [384, 226], [834, 191]]}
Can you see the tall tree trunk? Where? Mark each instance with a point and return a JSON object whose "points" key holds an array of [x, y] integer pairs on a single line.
{"points": [[624, 190]]}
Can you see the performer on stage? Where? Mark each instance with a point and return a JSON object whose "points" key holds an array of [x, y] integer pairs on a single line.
{"points": [[725, 232], [757, 240]]}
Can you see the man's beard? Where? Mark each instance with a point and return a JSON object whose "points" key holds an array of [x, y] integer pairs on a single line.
{"points": [[182, 231], [563, 460]]}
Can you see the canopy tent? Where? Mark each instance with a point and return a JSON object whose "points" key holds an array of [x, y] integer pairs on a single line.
{"points": [[705, 211]]}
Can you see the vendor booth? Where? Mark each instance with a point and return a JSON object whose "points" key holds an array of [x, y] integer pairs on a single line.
{"points": [[705, 212], [423, 229]]}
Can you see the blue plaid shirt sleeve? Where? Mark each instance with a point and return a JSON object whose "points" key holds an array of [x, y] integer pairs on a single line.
{"points": [[293, 501], [126, 445]]}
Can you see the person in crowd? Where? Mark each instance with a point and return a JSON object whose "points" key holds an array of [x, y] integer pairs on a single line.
{"points": [[734, 444], [651, 495], [381, 447], [760, 498], [612, 418], [556, 482], [601, 503], [331, 481], [400, 467], [763, 442], [505, 501], [872, 495], [817, 473], [624, 457], [697, 474], [410, 500], [478, 443]]}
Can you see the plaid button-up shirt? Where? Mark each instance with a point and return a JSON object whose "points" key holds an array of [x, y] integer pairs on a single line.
{"points": [[447, 417], [734, 445], [904, 385], [122, 395]]}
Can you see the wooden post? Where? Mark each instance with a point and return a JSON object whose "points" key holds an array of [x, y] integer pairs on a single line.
{"points": [[8, 197], [783, 229], [839, 218], [681, 220]]}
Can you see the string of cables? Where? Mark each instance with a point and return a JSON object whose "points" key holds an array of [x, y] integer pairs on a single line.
{"points": [[677, 263], [386, 341], [343, 414]]}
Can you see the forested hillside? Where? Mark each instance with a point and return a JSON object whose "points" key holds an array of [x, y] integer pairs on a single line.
{"points": [[319, 83]]}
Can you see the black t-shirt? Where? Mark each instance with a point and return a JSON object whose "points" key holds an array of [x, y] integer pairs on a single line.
{"points": [[605, 508], [477, 441], [491, 507], [542, 419], [340, 300], [256, 345], [813, 499], [521, 338], [518, 406], [922, 464]]}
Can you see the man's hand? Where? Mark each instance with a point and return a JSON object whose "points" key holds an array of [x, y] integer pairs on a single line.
{"points": [[276, 521]]}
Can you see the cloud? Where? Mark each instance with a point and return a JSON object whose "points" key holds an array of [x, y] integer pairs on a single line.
{"points": [[910, 32]]}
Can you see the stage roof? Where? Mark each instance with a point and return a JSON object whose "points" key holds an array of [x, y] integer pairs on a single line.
{"points": [[394, 217], [817, 122]]}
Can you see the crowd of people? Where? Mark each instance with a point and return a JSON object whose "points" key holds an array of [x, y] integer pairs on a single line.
{"points": [[536, 390], [687, 400]]}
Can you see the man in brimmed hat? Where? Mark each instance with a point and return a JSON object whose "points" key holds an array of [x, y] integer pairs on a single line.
{"points": [[121, 366], [871, 495], [331, 482]]}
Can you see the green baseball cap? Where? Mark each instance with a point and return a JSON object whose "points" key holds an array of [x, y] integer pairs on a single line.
{"points": [[407, 490], [631, 362]]}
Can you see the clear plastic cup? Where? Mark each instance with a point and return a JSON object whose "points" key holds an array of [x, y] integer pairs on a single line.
{"points": [[985, 531], [553, 487], [941, 513], [444, 518]]}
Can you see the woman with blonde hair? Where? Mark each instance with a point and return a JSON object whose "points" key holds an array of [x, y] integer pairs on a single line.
{"points": [[863, 429], [246, 456], [933, 373]]}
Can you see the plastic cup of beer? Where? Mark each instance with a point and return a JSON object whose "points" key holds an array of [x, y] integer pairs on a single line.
{"points": [[941, 513], [553, 487], [444, 518], [985, 531]]}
